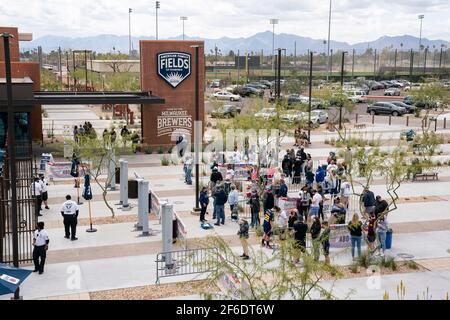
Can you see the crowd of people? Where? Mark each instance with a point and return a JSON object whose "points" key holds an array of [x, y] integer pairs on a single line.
{"points": [[308, 216]]}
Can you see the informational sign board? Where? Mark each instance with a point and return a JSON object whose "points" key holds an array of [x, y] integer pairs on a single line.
{"points": [[46, 158], [339, 236]]}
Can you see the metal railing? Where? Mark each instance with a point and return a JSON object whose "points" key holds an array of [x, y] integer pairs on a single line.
{"points": [[183, 262]]}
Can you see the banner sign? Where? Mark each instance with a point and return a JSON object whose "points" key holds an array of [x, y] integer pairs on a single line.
{"points": [[287, 204], [230, 284], [59, 170], [339, 236], [242, 171]]}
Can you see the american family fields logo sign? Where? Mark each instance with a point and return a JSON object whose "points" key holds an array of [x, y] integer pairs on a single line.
{"points": [[174, 67]]}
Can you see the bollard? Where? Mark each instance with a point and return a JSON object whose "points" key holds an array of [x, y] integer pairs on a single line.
{"points": [[407, 121], [112, 171], [143, 188], [138, 225], [356, 118], [167, 233], [445, 123], [390, 119], [435, 124], [124, 185], [373, 119]]}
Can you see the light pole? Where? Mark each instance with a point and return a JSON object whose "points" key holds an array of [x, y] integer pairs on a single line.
{"points": [[197, 130], [328, 47], [183, 19], [129, 31], [273, 22], [342, 88], [310, 94], [11, 154], [157, 6], [278, 91]]}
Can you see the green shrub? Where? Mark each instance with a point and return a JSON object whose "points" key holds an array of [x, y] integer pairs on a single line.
{"points": [[364, 260], [412, 265], [160, 150], [389, 262], [354, 268], [259, 231], [165, 161], [148, 150]]}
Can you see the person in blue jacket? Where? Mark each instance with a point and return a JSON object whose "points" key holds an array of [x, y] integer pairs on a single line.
{"points": [[309, 175], [283, 191], [320, 175], [204, 201]]}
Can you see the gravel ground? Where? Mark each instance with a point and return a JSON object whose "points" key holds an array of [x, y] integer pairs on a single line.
{"points": [[153, 292]]}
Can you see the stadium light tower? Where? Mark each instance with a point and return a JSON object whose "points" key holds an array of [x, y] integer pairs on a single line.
{"points": [[421, 16], [273, 22], [183, 19]]}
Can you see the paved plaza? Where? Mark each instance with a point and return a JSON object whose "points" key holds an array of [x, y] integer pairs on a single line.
{"points": [[118, 256]]}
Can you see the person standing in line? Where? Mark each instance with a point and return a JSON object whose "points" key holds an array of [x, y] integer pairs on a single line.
{"points": [[221, 199], [204, 201], [125, 134], [233, 199], [282, 221], [283, 192], [40, 247], [255, 207], [324, 238], [345, 192], [381, 206], [369, 202], [269, 200], [267, 227], [113, 135], [188, 170], [243, 237], [44, 187], [315, 233], [371, 234], [75, 133], [309, 176], [69, 211], [315, 204], [382, 229], [300, 230], [355, 228], [297, 171], [36, 193]]}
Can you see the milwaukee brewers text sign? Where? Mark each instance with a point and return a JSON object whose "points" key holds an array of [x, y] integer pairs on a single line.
{"points": [[168, 70]]}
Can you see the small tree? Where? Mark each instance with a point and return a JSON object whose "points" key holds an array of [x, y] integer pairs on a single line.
{"points": [[269, 276], [98, 154]]}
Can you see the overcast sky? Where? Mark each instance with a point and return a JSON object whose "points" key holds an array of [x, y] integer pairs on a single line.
{"points": [[352, 20]]}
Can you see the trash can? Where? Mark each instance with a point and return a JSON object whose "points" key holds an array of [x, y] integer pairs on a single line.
{"points": [[389, 239], [132, 189]]}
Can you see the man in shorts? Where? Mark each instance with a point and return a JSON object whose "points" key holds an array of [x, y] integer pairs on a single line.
{"points": [[315, 204]]}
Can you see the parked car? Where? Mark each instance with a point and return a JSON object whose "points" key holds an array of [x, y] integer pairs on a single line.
{"points": [[319, 116], [420, 104], [226, 111], [356, 96], [225, 95], [266, 113], [292, 116], [254, 91], [385, 108], [387, 84], [374, 85], [409, 108], [267, 83], [257, 86], [215, 84], [392, 92], [397, 84]]}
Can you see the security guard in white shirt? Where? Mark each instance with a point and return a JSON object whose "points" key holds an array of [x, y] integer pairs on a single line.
{"points": [[44, 185], [69, 211], [36, 192], [40, 243]]}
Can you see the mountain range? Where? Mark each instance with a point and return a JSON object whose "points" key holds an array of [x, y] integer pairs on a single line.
{"points": [[255, 43]]}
